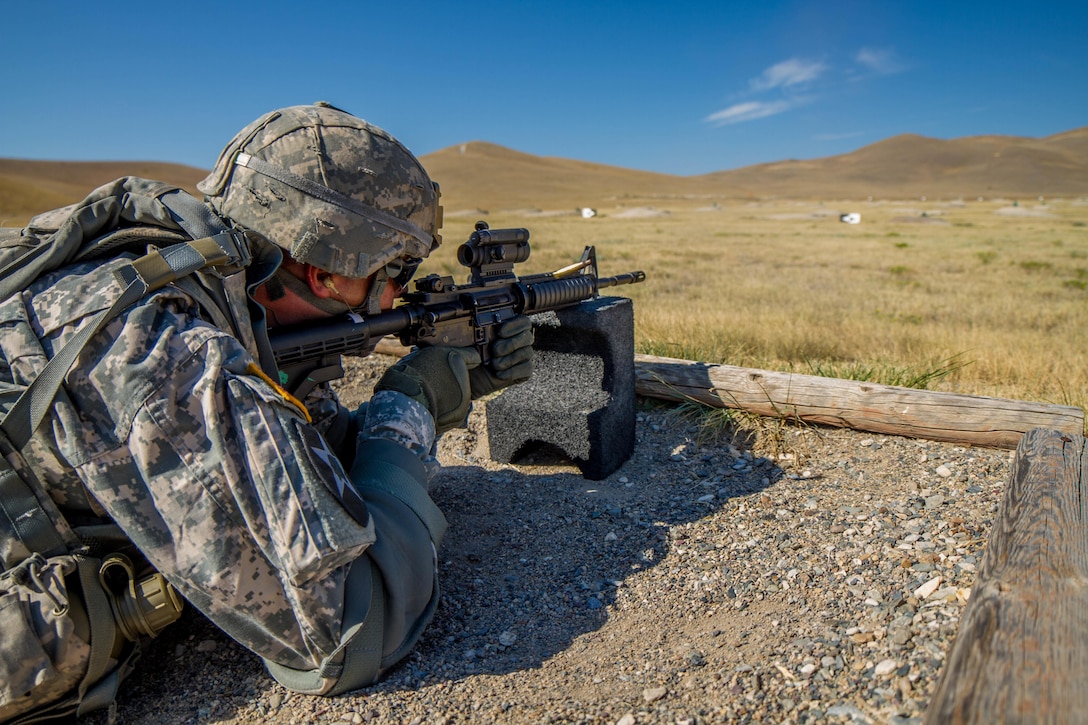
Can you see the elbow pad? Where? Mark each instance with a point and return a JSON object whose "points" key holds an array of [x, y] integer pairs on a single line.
{"points": [[382, 465]]}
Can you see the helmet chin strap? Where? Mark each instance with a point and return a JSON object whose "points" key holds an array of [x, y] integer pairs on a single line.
{"points": [[378, 281], [377, 289]]}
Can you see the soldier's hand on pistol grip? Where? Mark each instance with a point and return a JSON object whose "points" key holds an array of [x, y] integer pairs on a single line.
{"points": [[511, 361], [437, 377]]}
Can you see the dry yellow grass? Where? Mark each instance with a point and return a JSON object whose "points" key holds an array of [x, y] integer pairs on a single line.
{"points": [[786, 286]]}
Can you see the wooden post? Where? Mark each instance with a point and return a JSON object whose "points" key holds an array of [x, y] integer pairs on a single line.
{"points": [[933, 415], [1021, 654]]}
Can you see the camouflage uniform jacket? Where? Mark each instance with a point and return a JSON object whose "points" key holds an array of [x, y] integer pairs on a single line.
{"points": [[165, 427]]}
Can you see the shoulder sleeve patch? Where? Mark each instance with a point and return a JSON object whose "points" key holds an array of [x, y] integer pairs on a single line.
{"points": [[328, 467]]}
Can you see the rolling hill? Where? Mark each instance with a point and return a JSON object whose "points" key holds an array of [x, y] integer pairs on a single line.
{"points": [[909, 165], [487, 176], [483, 176], [28, 187]]}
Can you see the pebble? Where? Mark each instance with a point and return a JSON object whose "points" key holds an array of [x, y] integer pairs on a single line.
{"points": [[945, 594], [885, 667], [901, 635], [653, 694], [928, 588]]}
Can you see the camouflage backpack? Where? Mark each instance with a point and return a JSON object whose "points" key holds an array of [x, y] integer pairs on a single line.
{"points": [[72, 605]]}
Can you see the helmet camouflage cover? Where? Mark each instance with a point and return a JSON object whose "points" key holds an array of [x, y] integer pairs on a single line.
{"points": [[333, 190]]}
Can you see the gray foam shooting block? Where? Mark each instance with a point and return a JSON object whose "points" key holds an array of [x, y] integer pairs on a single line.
{"points": [[581, 397]]}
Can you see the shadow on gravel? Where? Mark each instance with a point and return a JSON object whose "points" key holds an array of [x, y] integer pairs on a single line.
{"points": [[531, 562]]}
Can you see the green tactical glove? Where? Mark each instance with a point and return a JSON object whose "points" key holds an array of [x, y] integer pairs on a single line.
{"points": [[512, 358], [437, 377]]}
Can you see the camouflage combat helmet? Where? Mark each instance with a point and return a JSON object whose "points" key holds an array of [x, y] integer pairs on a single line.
{"points": [[330, 188]]}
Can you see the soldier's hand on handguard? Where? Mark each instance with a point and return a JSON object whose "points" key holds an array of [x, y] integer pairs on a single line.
{"points": [[512, 358]]}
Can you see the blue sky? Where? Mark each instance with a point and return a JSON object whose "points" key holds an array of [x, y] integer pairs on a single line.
{"points": [[674, 87]]}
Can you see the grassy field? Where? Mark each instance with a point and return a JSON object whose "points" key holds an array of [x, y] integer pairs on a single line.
{"points": [[993, 292]]}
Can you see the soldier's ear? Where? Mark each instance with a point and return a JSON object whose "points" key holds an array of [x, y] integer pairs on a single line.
{"points": [[319, 281]]}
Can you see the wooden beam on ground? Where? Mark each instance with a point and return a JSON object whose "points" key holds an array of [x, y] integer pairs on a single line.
{"points": [[1021, 653], [951, 417], [392, 347], [937, 416]]}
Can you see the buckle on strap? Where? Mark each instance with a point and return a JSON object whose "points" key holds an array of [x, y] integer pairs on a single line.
{"points": [[228, 249], [225, 249], [236, 245], [231, 252]]}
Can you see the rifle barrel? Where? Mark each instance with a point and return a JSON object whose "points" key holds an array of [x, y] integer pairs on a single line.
{"points": [[628, 278]]}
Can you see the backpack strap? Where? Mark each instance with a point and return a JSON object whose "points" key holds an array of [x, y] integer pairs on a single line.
{"points": [[191, 214], [146, 274], [24, 260], [22, 513], [96, 690]]}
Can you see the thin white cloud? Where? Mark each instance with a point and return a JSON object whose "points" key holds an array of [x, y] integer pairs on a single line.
{"points": [[749, 111], [880, 60], [792, 72], [792, 83], [785, 81]]}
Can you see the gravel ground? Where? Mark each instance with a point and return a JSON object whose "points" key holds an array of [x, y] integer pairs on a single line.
{"points": [[703, 582]]}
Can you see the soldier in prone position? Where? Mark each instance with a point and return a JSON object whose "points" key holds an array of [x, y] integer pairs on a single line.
{"points": [[302, 529]]}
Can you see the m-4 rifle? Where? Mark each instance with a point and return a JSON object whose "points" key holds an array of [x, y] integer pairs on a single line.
{"points": [[440, 312]]}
